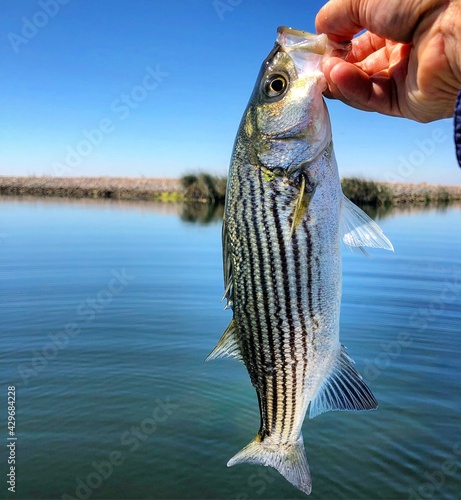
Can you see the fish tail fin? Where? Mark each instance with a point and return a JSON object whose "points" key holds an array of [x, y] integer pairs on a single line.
{"points": [[288, 459]]}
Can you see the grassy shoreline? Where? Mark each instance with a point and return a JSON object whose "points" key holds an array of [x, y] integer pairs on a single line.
{"points": [[204, 187], [122, 188]]}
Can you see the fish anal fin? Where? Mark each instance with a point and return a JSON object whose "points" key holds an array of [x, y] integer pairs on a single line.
{"points": [[288, 459], [343, 389], [358, 230], [228, 345]]}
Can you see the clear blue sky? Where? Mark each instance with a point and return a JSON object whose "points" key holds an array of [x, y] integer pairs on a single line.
{"points": [[70, 67]]}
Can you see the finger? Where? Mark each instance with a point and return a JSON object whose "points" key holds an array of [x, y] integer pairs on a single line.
{"points": [[338, 21], [356, 88], [364, 45], [347, 83], [379, 60], [393, 19]]}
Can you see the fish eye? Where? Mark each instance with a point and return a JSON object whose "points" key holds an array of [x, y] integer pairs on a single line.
{"points": [[275, 86]]}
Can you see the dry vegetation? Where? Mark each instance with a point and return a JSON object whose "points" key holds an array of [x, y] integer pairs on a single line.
{"points": [[203, 187], [91, 187], [379, 194]]}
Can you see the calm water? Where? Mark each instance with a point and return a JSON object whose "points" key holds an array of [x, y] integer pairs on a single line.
{"points": [[108, 310]]}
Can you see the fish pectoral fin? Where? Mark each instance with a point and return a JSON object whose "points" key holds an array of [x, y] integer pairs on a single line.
{"points": [[358, 230], [228, 345], [288, 459], [343, 389], [300, 206]]}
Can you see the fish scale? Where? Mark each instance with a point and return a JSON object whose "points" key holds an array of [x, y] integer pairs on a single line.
{"points": [[285, 322], [283, 221]]}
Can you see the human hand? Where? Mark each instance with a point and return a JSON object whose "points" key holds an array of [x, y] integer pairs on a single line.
{"points": [[407, 64]]}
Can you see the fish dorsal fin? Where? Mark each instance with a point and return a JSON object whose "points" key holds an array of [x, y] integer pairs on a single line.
{"points": [[227, 266], [228, 345], [343, 389], [359, 231]]}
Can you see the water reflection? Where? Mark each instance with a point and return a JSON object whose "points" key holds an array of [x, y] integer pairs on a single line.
{"points": [[202, 213], [384, 212], [206, 213], [140, 206]]}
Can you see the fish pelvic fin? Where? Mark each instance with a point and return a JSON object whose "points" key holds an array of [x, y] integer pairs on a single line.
{"points": [[288, 459], [228, 345], [343, 389]]}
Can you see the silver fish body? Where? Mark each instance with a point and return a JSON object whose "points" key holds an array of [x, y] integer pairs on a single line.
{"points": [[283, 220]]}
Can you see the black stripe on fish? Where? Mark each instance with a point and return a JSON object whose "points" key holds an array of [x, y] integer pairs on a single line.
{"points": [[255, 250], [246, 254], [319, 287], [264, 285], [288, 315], [310, 295], [299, 301]]}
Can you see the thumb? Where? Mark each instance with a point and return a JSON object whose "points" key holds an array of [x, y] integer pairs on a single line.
{"points": [[393, 19]]}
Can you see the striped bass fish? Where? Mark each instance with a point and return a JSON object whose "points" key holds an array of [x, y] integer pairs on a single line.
{"points": [[284, 217]]}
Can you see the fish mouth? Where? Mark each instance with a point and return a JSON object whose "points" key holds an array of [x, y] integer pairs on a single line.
{"points": [[291, 39], [291, 31]]}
